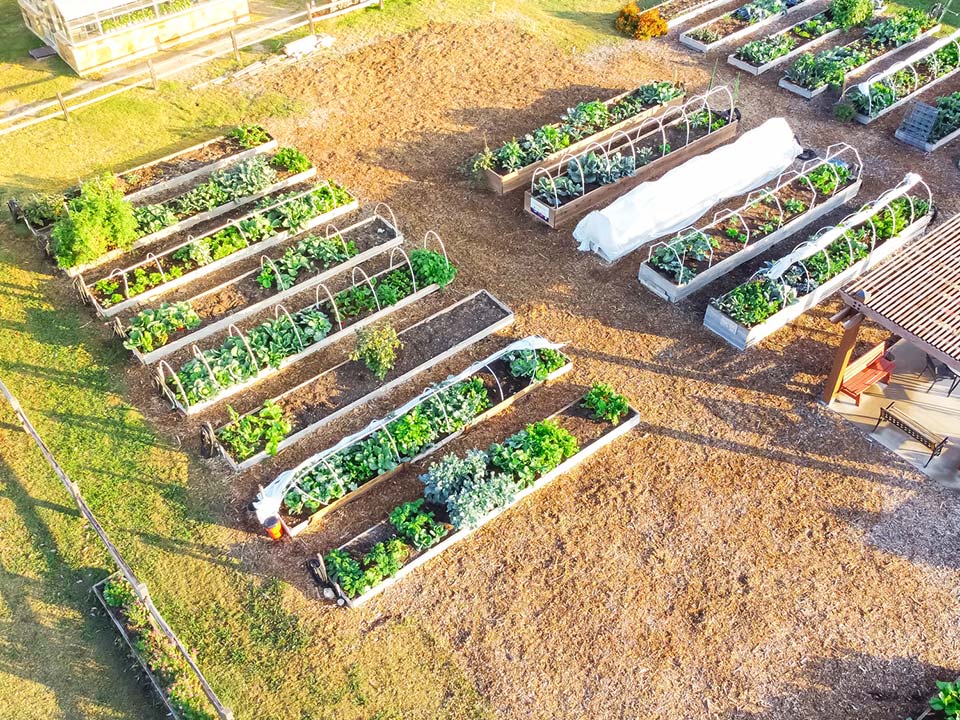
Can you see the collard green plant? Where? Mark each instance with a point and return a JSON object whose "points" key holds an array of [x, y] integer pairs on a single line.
{"points": [[245, 436], [535, 364], [417, 525], [41, 210], [150, 329]]}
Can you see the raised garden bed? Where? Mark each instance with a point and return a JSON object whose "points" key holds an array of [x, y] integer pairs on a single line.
{"points": [[162, 663], [677, 12], [781, 292], [314, 259], [696, 257], [810, 75], [945, 129], [279, 337], [761, 55], [512, 165], [168, 213], [575, 185], [463, 495], [334, 393], [743, 21], [439, 415], [275, 219], [897, 85]]}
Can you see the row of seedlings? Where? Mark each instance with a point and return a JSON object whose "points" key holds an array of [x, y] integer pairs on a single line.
{"points": [[810, 75], [161, 174], [309, 259], [783, 290], [696, 257], [938, 124], [575, 184], [462, 494], [99, 225], [745, 20], [893, 87], [299, 412], [758, 56], [511, 166], [441, 413], [186, 258], [283, 333]]}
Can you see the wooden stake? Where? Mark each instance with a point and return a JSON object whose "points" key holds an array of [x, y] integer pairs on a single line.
{"points": [[63, 106], [851, 330], [236, 45], [153, 75]]}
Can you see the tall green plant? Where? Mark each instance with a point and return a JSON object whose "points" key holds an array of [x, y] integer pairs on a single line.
{"points": [[98, 220], [847, 13]]}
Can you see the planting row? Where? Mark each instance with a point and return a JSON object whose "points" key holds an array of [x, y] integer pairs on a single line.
{"points": [[883, 92], [302, 410], [154, 333], [695, 257], [655, 21], [783, 290], [812, 74], [99, 224], [746, 19], [511, 165], [463, 493], [277, 337], [576, 184], [270, 221], [415, 430], [758, 56]]}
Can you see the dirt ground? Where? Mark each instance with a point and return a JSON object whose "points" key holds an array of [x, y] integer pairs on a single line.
{"points": [[745, 553]]}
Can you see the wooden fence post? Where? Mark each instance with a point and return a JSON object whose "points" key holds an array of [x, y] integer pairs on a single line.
{"points": [[236, 45], [153, 75], [63, 106], [313, 26]]}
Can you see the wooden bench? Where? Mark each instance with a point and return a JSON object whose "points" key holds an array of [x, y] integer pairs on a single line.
{"points": [[911, 427], [865, 372]]}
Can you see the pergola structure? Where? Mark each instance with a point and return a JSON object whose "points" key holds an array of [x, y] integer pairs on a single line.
{"points": [[915, 295]]}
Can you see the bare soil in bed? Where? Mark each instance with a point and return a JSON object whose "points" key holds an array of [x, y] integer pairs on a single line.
{"points": [[746, 554], [180, 165]]}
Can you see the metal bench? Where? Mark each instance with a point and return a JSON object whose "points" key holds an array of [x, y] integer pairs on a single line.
{"points": [[866, 371], [911, 427]]}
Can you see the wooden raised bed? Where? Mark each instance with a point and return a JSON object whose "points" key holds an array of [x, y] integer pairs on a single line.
{"points": [[232, 288], [810, 94], [295, 526], [669, 290], [84, 288], [742, 337], [345, 331], [612, 433], [604, 194], [748, 29], [507, 182], [188, 222], [801, 48], [687, 9], [411, 337]]}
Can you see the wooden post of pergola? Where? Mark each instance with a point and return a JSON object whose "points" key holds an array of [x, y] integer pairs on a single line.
{"points": [[915, 295]]}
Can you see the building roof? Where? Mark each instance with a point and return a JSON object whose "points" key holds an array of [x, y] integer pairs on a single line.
{"points": [[916, 293], [73, 9]]}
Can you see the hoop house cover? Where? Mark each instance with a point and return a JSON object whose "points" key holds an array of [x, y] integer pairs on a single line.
{"points": [[684, 194]]}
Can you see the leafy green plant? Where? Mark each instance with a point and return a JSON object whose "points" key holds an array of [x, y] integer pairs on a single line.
{"points": [[535, 364], [97, 220], [42, 210], [244, 436], [118, 593], [948, 117], [534, 451], [844, 112], [760, 52], [848, 13], [947, 699], [467, 487], [291, 160], [150, 329], [376, 348], [153, 218], [249, 136], [431, 268], [705, 35], [417, 525], [311, 253], [795, 206], [605, 403]]}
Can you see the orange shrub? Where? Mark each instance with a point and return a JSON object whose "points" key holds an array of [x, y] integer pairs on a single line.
{"points": [[642, 25]]}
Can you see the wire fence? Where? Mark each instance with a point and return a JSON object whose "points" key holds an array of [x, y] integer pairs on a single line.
{"points": [[139, 587]]}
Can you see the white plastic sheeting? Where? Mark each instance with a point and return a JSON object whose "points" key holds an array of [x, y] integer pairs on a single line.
{"points": [[684, 194], [268, 501]]}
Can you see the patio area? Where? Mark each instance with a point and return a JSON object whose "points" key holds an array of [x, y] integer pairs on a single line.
{"points": [[928, 405]]}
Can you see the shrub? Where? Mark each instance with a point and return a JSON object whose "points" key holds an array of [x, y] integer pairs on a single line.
{"points": [[376, 348], [641, 25], [844, 111], [847, 13], [99, 220]]}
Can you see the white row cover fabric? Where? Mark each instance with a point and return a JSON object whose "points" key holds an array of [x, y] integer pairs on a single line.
{"points": [[268, 501], [679, 198]]}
